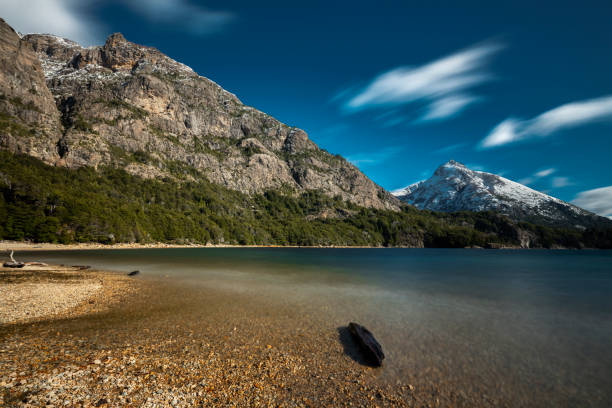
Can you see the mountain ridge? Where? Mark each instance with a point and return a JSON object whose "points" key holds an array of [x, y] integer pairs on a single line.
{"points": [[120, 143], [135, 108], [455, 187]]}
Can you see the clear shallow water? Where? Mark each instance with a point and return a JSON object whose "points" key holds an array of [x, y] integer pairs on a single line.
{"points": [[532, 327]]}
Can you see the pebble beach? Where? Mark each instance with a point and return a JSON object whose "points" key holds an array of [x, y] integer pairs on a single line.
{"points": [[83, 338], [263, 327]]}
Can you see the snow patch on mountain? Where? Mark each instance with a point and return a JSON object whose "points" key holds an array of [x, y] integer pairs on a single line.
{"points": [[454, 187]]}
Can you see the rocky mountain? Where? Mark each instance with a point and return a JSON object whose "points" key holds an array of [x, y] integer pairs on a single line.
{"points": [[29, 118], [454, 187], [132, 107], [124, 144]]}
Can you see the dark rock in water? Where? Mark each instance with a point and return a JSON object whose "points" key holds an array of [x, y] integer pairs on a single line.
{"points": [[81, 267], [133, 273], [13, 264], [370, 347]]}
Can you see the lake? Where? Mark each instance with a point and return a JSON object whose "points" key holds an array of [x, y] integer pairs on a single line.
{"points": [[526, 327]]}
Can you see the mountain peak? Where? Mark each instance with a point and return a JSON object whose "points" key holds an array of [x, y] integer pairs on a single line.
{"points": [[455, 164], [449, 165], [454, 187], [132, 107], [114, 39]]}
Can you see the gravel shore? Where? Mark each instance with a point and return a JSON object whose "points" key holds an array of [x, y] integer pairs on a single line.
{"points": [[38, 300], [43, 292], [145, 342], [44, 246], [31, 246], [177, 340]]}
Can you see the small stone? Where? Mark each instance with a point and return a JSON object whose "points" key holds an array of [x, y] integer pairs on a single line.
{"points": [[101, 401]]}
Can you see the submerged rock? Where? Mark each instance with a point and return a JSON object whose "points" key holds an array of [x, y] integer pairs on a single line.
{"points": [[368, 344]]}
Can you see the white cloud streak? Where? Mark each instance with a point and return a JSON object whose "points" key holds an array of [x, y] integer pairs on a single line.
{"points": [[374, 158], [545, 172], [450, 148], [563, 117], [196, 19], [59, 17], [555, 182], [559, 182], [67, 18], [447, 107], [598, 201], [443, 84], [537, 175]]}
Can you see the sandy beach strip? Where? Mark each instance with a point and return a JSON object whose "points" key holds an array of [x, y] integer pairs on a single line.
{"points": [[44, 292], [7, 246]]}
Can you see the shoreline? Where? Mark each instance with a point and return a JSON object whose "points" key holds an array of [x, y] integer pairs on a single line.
{"points": [[177, 342], [46, 246], [170, 344], [37, 293]]}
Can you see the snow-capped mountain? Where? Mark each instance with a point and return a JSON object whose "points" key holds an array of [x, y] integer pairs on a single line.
{"points": [[454, 187]]}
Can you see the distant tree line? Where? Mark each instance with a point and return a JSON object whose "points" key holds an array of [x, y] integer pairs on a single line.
{"points": [[43, 203]]}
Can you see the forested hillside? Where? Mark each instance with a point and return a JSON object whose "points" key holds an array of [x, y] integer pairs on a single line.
{"points": [[43, 203]]}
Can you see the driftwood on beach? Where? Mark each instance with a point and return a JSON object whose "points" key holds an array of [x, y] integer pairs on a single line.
{"points": [[13, 263], [368, 344]]}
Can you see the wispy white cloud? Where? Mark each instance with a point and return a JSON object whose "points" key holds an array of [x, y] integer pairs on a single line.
{"points": [[60, 17], [598, 201], [450, 148], [560, 182], [476, 167], [374, 158], [554, 182], [537, 176], [442, 84], [447, 107], [342, 94], [68, 18], [563, 117], [185, 14], [545, 172]]}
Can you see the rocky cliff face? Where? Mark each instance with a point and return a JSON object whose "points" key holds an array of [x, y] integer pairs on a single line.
{"points": [[29, 119], [133, 107], [454, 187]]}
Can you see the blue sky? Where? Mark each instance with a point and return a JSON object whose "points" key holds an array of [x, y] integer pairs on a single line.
{"points": [[522, 89]]}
